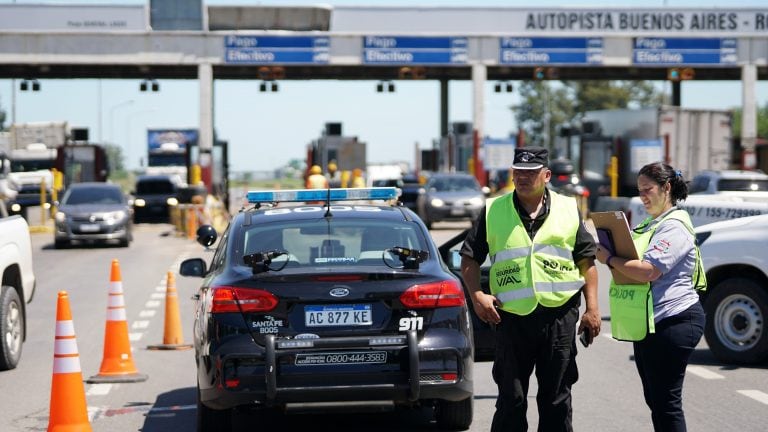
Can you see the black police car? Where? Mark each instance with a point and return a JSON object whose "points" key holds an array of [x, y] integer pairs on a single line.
{"points": [[329, 302]]}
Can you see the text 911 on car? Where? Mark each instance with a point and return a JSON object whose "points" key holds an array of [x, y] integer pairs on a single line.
{"points": [[343, 300]]}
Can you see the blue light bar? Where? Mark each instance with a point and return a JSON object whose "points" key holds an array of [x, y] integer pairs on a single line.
{"points": [[297, 195]]}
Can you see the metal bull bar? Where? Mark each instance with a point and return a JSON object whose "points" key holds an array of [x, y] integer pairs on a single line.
{"points": [[272, 354]]}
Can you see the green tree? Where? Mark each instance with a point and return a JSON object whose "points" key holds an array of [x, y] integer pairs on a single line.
{"points": [[545, 105], [762, 121]]}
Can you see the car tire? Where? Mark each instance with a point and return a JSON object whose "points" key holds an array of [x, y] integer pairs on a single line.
{"points": [[735, 330], [60, 244], [124, 242], [11, 328], [209, 419], [452, 415]]}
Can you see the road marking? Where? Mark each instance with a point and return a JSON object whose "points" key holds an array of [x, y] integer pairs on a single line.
{"points": [[99, 389], [157, 296], [703, 372], [161, 288], [152, 304], [133, 337], [147, 313], [756, 395], [140, 324]]}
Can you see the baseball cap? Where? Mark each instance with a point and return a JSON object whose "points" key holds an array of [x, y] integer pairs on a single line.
{"points": [[530, 158]]}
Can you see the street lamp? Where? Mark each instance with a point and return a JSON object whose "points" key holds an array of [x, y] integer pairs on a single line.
{"points": [[111, 114]]}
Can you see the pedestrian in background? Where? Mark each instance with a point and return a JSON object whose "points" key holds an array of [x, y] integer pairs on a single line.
{"points": [[542, 259], [316, 179], [668, 273]]}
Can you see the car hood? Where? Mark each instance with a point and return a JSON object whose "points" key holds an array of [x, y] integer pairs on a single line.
{"points": [[92, 208], [457, 195]]}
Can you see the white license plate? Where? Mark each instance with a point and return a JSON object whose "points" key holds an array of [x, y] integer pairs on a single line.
{"points": [[89, 228], [338, 315], [458, 211], [365, 357]]}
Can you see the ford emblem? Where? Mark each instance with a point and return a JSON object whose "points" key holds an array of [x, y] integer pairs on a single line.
{"points": [[339, 292]]}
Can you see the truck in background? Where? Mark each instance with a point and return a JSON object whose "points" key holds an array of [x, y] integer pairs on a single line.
{"points": [[690, 140], [346, 151]]}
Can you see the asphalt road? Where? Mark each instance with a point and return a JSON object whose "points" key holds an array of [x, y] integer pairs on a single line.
{"points": [[607, 397]]}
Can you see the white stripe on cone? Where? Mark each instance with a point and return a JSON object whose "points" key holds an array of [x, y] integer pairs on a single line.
{"points": [[65, 328], [65, 346], [116, 315], [66, 365], [116, 287]]}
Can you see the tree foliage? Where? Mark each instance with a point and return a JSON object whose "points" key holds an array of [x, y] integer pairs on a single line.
{"points": [[545, 105], [762, 121]]}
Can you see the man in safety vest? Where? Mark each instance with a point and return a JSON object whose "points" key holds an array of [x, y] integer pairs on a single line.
{"points": [[316, 179], [542, 258]]}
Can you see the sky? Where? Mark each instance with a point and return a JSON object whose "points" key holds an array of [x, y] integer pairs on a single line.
{"points": [[266, 130]]}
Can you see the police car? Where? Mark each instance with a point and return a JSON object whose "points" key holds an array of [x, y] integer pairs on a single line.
{"points": [[340, 298]]}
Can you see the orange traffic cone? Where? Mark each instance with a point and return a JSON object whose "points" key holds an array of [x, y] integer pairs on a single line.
{"points": [[172, 335], [68, 410], [117, 363]]}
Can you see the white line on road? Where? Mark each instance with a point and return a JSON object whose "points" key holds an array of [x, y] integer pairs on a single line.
{"points": [[152, 303], [756, 395], [161, 288], [133, 337], [147, 313], [98, 389], [703, 372], [157, 296], [140, 324]]}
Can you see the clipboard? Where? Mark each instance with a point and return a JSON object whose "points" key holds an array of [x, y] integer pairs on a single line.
{"points": [[612, 227]]}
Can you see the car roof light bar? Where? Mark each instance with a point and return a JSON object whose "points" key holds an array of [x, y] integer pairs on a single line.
{"points": [[339, 194]]}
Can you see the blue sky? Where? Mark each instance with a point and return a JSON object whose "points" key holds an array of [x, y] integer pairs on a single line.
{"points": [[265, 130]]}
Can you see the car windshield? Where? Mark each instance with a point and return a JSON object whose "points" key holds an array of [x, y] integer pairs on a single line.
{"points": [[320, 243], [454, 184], [742, 185], [151, 187], [77, 196]]}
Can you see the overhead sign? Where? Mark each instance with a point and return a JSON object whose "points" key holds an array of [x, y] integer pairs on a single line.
{"points": [[276, 49], [543, 51], [73, 17], [414, 50], [684, 51]]}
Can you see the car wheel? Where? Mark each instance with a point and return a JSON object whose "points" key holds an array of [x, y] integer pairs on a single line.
{"points": [[735, 329], [124, 242], [454, 415], [209, 419], [60, 244], [11, 328]]}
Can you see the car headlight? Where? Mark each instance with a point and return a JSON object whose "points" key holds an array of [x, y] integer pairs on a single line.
{"points": [[436, 202], [476, 201], [139, 202], [16, 207], [60, 217], [172, 201], [114, 216]]}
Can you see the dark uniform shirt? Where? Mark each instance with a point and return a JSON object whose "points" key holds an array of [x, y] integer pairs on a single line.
{"points": [[476, 244]]}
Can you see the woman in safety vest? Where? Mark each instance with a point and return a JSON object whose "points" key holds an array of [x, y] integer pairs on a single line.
{"points": [[661, 313]]}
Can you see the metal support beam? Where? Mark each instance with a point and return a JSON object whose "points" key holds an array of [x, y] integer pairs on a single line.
{"points": [[443, 107], [479, 76], [749, 116], [205, 144]]}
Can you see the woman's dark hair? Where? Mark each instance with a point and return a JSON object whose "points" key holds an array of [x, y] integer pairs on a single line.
{"points": [[662, 173]]}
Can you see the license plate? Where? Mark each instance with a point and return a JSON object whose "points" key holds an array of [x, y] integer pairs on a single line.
{"points": [[337, 358], [89, 228], [458, 211], [338, 315]]}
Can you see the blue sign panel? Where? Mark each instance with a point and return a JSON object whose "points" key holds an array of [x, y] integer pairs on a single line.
{"points": [[183, 138], [414, 50], [684, 51], [545, 51], [276, 49]]}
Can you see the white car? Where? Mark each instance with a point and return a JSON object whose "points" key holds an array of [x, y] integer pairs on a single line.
{"points": [[736, 301]]}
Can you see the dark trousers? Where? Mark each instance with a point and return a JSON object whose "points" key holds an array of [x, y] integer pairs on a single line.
{"points": [[661, 359], [545, 339]]}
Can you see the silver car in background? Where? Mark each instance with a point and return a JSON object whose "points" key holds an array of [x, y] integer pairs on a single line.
{"points": [[93, 212], [454, 196]]}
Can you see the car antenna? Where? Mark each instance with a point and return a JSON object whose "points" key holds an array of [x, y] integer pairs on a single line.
{"points": [[328, 204]]}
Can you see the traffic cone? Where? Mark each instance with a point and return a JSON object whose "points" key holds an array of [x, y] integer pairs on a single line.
{"points": [[117, 364], [172, 335], [68, 410]]}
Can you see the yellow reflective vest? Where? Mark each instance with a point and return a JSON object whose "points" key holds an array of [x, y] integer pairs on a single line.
{"points": [[525, 273]]}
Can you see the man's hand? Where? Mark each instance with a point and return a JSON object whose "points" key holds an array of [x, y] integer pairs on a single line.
{"points": [[485, 307], [590, 320]]}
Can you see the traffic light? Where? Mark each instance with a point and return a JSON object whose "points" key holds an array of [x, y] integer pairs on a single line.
{"points": [[549, 73], [680, 74]]}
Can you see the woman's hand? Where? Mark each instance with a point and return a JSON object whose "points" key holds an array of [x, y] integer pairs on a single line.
{"points": [[485, 307]]}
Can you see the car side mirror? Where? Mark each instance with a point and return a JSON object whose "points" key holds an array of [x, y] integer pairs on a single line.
{"points": [[192, 267], [206, 235]]}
